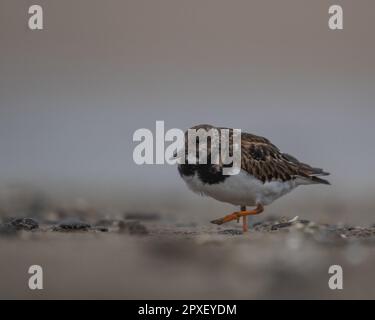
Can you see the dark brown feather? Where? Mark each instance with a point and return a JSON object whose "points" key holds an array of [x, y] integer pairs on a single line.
{"points": [[266, 162], [263, 160]]}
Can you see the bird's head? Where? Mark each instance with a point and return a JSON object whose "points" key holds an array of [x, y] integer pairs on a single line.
{"points": [[198, 141]]}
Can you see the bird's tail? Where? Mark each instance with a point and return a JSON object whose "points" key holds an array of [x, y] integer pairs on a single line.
{"points": [[316, 179], [317, 173]]}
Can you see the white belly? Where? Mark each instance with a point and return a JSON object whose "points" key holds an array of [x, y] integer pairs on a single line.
{"points": [[242, 189]]}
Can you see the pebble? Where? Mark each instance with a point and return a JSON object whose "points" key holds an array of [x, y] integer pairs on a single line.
{"points": [[100, 228], [27, 224], [132, 227], [232, 232], [72, 225]]}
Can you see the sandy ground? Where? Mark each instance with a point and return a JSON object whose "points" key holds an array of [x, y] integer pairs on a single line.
{"points": [[143, 256]]}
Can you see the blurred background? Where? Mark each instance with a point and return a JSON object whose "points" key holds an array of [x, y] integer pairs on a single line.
{"points": [[72, 95]]}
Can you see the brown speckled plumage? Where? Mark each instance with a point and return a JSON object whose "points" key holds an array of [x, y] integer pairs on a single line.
{"points": [[264, 161]]}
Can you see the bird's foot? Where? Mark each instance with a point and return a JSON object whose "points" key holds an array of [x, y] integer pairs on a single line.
{"points": [[234, 216], [230, 217], [237, 215]]}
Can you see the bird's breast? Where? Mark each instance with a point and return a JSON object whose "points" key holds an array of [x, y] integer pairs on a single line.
{"points": [[242, 189]]}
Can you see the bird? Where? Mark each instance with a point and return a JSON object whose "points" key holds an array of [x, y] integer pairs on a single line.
{"points": [[265, 175]]}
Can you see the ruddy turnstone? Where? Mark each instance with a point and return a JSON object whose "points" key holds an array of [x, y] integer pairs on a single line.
{"points": [[265, 175]]}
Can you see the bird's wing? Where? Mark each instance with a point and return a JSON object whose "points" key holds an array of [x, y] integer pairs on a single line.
{"points": [[263, 160]]}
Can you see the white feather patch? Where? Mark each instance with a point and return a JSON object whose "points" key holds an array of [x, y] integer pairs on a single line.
{"points": [[242, 189]]}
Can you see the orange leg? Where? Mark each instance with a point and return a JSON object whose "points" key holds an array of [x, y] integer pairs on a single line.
{"points": [[245, 227], [236, 215], [244, 224]]}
